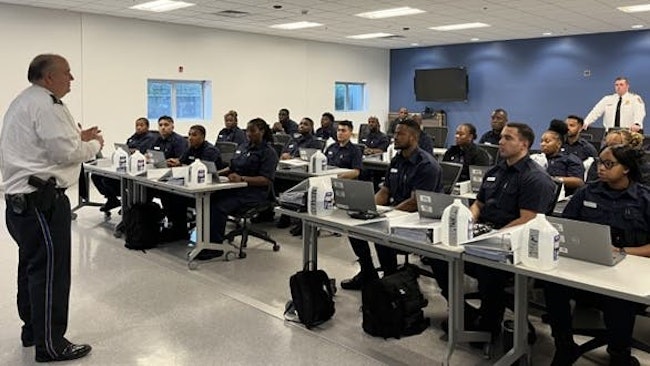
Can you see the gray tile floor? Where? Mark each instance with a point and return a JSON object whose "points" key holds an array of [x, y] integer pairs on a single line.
{"points": [[149, 309]]}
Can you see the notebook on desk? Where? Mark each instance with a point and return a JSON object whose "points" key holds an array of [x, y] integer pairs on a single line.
{"points": [[586, 241], [357, 198], [157, 158], [432, 204]]}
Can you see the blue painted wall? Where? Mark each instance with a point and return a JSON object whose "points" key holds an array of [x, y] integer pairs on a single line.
{"points": [[534, 80]]}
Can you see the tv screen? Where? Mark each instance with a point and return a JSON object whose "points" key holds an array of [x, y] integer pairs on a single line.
{"points": [[441, 85]]}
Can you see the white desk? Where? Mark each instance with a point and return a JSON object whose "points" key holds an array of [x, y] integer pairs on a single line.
{"points": [[134, 191]]}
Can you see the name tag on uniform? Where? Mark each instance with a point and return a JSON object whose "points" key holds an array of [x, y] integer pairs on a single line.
{"points": [[589, 204], [330, 153], [156, 148], [393, 170], [491, 179], [291, 146], [238, 152]]}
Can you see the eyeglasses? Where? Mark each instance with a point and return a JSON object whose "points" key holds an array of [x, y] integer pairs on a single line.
{"points": [[608, 164]]}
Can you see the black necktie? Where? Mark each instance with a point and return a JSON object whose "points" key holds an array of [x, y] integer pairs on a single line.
{"points": [[617, 117]]}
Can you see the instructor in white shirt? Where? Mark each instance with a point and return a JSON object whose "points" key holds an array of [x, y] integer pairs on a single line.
{"points": [[621, 109], [41, 151]]}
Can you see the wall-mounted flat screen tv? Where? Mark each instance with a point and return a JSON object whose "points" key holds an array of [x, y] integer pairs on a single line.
{"points": [[441, 85]]}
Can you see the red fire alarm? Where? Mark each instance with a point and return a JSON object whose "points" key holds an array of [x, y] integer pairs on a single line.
{"points": [[180, 69]]}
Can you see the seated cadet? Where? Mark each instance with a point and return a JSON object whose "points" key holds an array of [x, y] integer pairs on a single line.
{"points": [[254, 163], [231, 133], [512, 193], [574, 143], [403, 114], [619, 137], [285, 124], [169, 142], [498, 119], [376, 142], [563, 167], [327, 130], [304, 138], [426, 142], [617, 200], [141, 140], [411, 169], [465, 151], [175, 206]]}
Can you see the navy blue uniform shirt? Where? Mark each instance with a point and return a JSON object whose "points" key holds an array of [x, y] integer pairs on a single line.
{"points": [[426, 143], [299, 141], [326, 133], [626, 212], [253, 161], [507, 189], [348, 156], [236, 135], [290, 126], [205, 152], [471, 155], [565, 165], [419, 171], [581, 148], [490, 137], [376, 140], [173, 146], [141, 142]]}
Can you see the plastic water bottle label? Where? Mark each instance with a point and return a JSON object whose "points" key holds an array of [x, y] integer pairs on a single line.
{"points": [[533, 243], [141, 165], [556, 247], [200, 176], [453, 225], [121, 165], [329, 198]]}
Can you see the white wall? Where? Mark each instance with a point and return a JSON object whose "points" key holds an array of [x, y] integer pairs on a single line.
{"points": [[111, 59]]}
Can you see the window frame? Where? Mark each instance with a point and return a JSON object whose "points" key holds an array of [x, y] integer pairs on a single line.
{"points": [[347, 103], [206, 104]]}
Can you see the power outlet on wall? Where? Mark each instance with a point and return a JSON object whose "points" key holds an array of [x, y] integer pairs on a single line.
{"points": [[586, 73]]}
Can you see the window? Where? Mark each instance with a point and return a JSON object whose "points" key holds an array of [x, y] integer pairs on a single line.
{"points": [[180, 99], [349, 96]]}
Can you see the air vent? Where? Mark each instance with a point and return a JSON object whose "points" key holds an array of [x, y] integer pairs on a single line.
{"points": [[232, 14], [394, 36]]}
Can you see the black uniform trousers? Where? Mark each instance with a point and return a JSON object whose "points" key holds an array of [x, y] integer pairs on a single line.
{"points": [[43, 271], [108, 187], [387, 259]]}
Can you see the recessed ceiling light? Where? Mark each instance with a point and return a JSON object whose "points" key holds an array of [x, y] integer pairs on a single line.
{"points": [[296, 25], [474, 39], [160, 6], [547, 34], [415, 44], [370, 35], [453, 27], [634, 8], [389, 13], [637, 26]]}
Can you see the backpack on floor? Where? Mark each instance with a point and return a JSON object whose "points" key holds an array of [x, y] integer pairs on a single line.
{"points": [[312, 297], [392, 306], [142, 225]]}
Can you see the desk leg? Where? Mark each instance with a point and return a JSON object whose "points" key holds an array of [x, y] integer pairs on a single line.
{"points": [[520, 337], [309, 245], [456, 305]]}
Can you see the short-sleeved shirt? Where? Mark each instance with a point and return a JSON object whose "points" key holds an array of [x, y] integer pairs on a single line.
{"points": [[236, 135], [507, 189], [326, 133], [420, 171], [172, 146], [565, 165], [490, 137], [290, 126], [299, 141], [471, 155], [581, 148], [347, 156], [627, 212], [425, 143], [252, 161], [205, 152], [376, 140], [141, 142]]}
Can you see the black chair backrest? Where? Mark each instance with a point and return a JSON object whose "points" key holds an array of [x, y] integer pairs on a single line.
{"points": [[319, 144], [227, 150], [587, 136], [450, 174], [597, 133], [438, 134], [282, 138], [278, 147], [558, 190], [487, 156], [492, 150], [364, 130]]}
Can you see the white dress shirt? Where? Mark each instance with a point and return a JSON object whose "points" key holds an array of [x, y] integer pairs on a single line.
{"points": [[632, 111], [39, 137]]}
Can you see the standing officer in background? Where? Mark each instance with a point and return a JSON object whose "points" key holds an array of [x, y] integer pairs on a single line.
{"points": [[41, 151], [621, 109]]}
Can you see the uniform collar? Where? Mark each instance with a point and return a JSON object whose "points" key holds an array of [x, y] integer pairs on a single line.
{"points": [[56, 100], [414, 158], [632, 190], [518, 166]]}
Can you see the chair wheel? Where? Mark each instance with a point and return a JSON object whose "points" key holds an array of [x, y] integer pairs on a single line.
{"points": [[107, 214], [276, 248], [242, 255], [73, 216], [192, 265], [229, 255]]}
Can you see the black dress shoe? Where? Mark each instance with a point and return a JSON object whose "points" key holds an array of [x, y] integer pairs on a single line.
{"points": [[110, 204], [70, 352], [209, 254], [297, 230], [27, 342], [353, 283]]}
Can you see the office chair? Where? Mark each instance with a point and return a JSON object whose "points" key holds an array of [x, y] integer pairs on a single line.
{"points": [[450, 174], [438, 134], [364, 130], [319, 144], [243, 217], [278, 147], [492, 150], [281, 138], [227, 150]]}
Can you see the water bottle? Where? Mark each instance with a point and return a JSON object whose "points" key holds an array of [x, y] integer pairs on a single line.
{"points": [[540, 244], [317, 162], [137, 163], [120, 161], [198, 172], [320, 196], [456, 224]]}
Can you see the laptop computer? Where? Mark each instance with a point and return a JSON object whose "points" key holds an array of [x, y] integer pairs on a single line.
{"points": [[357, 198], [432, 204], [586, 241], [306, 153], [124, 147], [157, 158], [476, 174]]}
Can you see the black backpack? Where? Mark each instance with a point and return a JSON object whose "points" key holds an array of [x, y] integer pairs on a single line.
{"points": [[392, 306], [142, 225], [312, 297]]}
